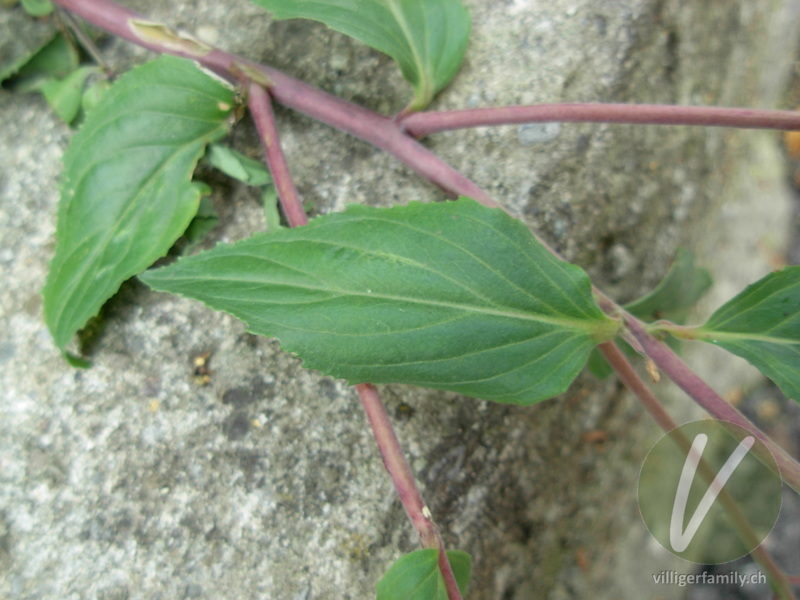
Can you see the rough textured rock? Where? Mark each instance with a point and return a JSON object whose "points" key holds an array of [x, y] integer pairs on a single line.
{"points": [[129, 480]]}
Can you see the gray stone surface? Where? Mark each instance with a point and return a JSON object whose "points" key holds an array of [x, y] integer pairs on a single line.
{"points": [[129, 480]]}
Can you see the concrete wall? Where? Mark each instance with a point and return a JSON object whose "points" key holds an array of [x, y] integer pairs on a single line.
{"points": [[130, 480]]}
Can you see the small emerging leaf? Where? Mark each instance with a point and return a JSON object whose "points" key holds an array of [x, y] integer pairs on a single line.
{"points": [[93, 94], [272, 216], [127, 193], [453, 296], [416, 575], [65, 95], [250, 171], [682, 286], [762, 325], [427, 38], [237, 165], [203, 222], [679, 290]]}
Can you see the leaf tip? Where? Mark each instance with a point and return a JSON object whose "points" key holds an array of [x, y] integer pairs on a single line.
{"points": [[77, 361]]}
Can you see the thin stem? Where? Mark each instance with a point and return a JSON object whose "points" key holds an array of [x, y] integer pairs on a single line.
{"points": [[421, 124], [260, 106], [403, 479], [779, 579], [635, 384], [699, 390], [258, 101], [84, 40]]}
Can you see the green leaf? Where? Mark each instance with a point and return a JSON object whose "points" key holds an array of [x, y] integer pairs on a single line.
{"points": [[37, 8], [250, 171], [237, 165], [461, 563], [272, 216], [416, 575], [453, 296], [427, 38], [598, 366], [65, 95], [682, 286], [203, 222], [762, 325], [679, 290], [127, 193], [93, 94], [53, 60]]}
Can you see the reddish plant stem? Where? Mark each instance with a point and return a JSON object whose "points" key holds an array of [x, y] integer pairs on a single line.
{"points": [[396, 464], [260, 105], [701, 392], [635, 384], [425, 123], [400, 472]]}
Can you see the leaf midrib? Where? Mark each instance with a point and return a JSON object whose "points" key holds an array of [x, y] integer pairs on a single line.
{"points": [[467, 251], [424, 76], [583, 325], [714, 336], [720, 320]]}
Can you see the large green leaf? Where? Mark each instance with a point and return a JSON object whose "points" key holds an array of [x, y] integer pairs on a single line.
{"points": [[453, 296], [127, 193], [762, 325], [427, 38], [416, 576]]}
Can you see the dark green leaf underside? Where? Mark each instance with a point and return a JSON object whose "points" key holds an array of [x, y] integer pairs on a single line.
{"points": [[416, 575], [127, 193], [762, 325], [453, 296], [427, 38]]}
